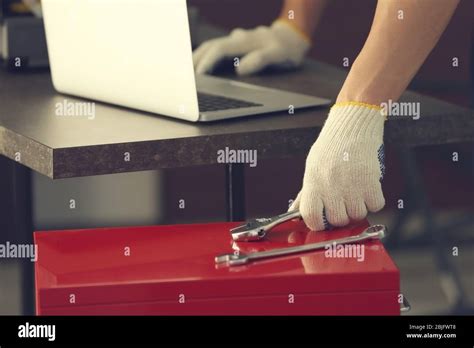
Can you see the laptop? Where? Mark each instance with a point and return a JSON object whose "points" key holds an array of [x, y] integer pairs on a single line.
{"points": [[138, 54]]}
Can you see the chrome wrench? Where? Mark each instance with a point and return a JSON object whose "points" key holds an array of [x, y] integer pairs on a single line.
{"points": [[372, 232], [256, 229]]}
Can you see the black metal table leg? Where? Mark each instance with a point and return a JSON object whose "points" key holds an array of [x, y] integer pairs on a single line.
{"points": [[22, 205], [235, 192], [417, 199], [17, 220]]}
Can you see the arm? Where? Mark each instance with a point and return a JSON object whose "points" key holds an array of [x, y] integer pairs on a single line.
{"points": [[307, 14], [396, 48]]}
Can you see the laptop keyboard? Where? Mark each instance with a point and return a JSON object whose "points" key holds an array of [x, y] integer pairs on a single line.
{"points": [[209, 102]]}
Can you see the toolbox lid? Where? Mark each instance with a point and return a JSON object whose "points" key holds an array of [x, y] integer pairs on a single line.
{"points": [[161, 263]]}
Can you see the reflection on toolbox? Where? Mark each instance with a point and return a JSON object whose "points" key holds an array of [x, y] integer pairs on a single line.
{"points": [[173, 270]]}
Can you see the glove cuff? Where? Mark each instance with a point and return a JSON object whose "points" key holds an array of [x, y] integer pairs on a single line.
{"points": [[293, 35], [356, 119]]}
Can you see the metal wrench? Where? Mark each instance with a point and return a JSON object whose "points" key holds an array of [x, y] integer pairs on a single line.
{"points": [[256, 229], [372, 232]]}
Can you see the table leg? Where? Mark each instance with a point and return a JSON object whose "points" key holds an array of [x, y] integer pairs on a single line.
{"points": [[235, 192], [418, 202], [21, 227]]}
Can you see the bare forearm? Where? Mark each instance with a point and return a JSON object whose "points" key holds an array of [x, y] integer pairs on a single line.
{"points": [[304, 14], [402, 35]]}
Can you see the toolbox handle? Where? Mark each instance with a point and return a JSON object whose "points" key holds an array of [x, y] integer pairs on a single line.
{"points": [[405, 306]]}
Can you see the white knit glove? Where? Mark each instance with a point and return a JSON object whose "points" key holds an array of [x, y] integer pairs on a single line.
{"points": [[281, 44], [344, 168], [34, 6]]}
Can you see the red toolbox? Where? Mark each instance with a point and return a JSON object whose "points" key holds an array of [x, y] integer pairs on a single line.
{"points": [[170, 270]]}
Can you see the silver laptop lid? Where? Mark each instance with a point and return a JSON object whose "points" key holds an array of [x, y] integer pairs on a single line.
{"points": [[135, 53]]}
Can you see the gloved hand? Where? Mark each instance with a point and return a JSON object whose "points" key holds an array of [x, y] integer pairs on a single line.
{"points": [[344, 168], [281, 44], [35, 7]]}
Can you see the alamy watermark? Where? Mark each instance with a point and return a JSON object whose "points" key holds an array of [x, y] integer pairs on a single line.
{"points": [[228, 155], [28, 330], [408, 109], [345, 251], [19, 251], [75, 109]]}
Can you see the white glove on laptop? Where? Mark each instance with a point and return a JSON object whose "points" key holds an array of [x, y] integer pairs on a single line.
{"points": [[35, 7], [344, 168], [281, 44]]}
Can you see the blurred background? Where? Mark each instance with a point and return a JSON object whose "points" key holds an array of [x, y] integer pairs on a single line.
{"points": [[437, 192]]}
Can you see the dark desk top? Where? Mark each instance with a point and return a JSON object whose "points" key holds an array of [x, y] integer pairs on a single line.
{"points": [[62, 147]]}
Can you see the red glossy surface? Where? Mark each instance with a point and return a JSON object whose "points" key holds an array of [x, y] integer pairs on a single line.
{"points": [[168, 261]]}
